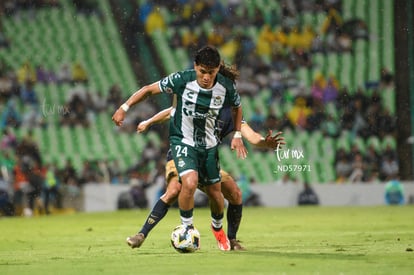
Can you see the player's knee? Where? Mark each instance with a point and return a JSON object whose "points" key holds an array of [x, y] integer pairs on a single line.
{"points": [[235, 197]]}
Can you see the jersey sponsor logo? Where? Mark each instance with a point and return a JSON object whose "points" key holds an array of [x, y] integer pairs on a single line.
{"points": [[198, 115]]}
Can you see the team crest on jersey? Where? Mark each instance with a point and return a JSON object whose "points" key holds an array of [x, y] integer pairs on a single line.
{"points": [[217, 101], [168, 90], [181, 163]]}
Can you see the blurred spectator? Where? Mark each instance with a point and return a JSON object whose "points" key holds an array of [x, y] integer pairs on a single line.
{"points": [[20, 187], [151, 152], [6, 203], [32, 115], [387, 124], [8, 84], [331, 90], [4, 41], [103, 171], [89, 173], [68, 174], [343, 166], [51, 188], [299, 113], [372, 161], [307, 196], [386, 77], [114, 98], [330, 28], [317, 120], [249, 197], [138, 193], [318, 87], [355, 28], [7, 163], [77, 113], [394, 192], [330, 126], [43, 75], [257, 119], [28, 147], [36, 176], [115, 172], [155, 21], [64, 74], [389, 166], [28, 94], [358, 168], [88, 7], [26, 73], [8, 140], [79, 73], [10, 116]]}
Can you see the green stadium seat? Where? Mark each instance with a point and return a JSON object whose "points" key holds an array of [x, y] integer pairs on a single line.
{"points": [[388, 141]]}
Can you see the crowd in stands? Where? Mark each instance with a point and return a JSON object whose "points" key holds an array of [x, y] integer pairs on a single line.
{"points": [[267, 50]]}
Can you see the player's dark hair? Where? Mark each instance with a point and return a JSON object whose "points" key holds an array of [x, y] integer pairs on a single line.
{"points": [[229, 71], [210, 57]]}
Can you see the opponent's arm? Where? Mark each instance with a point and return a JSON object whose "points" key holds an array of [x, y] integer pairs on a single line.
{"points": [[159, 117], [268, 142], [135, 98], [237, 142]]}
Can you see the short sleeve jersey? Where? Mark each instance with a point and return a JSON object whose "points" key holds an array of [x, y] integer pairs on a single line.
{"points": [[194, 120]]}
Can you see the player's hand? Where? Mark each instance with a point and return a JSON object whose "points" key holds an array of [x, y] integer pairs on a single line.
{"points": [[237, 144], [118, 117], [272, 142], [143, 126]]}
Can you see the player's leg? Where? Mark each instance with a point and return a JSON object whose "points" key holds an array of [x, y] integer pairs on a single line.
{"points": [[233, 195], [189, 181], [187, 164], [160, 208], [213, 191]]}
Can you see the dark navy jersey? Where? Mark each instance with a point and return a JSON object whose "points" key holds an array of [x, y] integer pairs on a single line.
{"points": [[224, 126]]}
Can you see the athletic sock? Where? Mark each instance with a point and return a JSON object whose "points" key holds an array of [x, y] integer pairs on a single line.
{"points": [[186, 216], [234, 215], [158, 212], [217, 221]]}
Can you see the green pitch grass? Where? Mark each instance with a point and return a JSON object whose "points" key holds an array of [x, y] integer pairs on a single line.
{"points": [[311, 240]]}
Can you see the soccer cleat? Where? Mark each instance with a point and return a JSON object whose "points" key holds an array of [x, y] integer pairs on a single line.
{"points": [[235, 245], [136, 241], [223, 242]]}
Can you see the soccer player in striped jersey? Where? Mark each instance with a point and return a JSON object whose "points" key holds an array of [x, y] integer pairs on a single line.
{"points": [[201, 94], [229, 187]]}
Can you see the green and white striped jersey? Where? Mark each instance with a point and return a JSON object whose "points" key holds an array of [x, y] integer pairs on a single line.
{"points": [[194, 119]]}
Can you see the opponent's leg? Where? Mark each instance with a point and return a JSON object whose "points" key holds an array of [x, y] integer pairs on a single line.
{"points": [[160, 208]]}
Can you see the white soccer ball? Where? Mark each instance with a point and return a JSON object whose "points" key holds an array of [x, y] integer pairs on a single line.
{"points": [[185, 239]]}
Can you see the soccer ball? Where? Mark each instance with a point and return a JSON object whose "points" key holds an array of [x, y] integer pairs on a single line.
{"points": [[185, 239]]}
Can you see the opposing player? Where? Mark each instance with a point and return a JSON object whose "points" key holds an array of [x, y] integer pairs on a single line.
{"points": [[201, 94], [229, 187]]}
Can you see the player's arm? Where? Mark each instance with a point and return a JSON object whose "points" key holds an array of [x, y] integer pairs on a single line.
{"points": [[159, 117], [135, 98], [268, 142], [237, 142]]}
